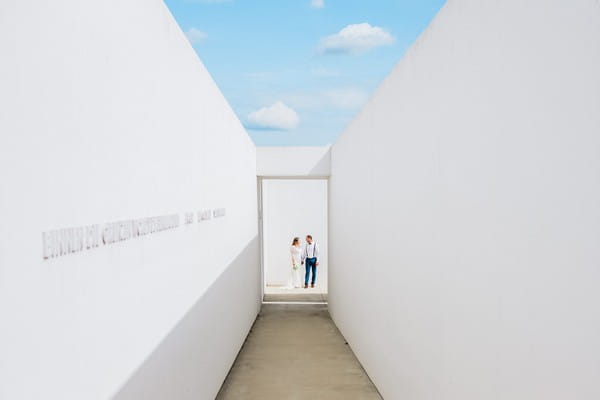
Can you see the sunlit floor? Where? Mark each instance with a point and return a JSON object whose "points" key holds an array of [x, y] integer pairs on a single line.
{"points": [[295, 351], [274, 293]]}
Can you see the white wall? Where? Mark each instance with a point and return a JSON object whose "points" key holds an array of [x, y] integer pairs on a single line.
{"points": [[293, 161], [477, 195], [293, 207], [107, 114]]}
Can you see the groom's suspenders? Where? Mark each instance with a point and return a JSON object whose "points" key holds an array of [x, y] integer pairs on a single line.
{"points": [[314, 250]]}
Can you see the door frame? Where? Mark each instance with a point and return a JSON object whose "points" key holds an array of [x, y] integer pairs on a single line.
{"points": [[259, 189]]}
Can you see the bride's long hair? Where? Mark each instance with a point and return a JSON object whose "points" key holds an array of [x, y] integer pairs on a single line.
{"points": [[296, 240]]}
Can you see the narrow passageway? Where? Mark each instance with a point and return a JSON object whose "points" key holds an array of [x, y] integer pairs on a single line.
{"points": [[295, 351], [310, 295]]}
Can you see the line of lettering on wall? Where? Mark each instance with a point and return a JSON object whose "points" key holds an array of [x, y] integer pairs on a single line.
{"points": [[218, 212], [60, 242], [204, 215]]}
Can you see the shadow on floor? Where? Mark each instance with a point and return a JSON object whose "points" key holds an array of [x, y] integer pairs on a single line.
{"points": [[274, 293], [296, 297]]}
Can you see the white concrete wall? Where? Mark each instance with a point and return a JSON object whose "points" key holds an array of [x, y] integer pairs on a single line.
{"points": [[473, 179], [293, 161], [293, 207], [107, 114]]}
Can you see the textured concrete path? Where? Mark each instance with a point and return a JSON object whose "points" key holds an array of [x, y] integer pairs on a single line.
{"points": [[296, 352], [311, 295], [294, 297]]}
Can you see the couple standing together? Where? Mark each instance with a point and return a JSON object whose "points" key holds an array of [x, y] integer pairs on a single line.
{"points": [[307, 255]]}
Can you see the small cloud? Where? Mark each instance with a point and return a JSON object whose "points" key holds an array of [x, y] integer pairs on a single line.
{"points": [[346, 98], [195, 35], [317, 3], [275, 117], [356, 39], [343, 98], [325, 72]]}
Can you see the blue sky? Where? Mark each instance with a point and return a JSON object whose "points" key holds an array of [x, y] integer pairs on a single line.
{"points": [[297, 71]]}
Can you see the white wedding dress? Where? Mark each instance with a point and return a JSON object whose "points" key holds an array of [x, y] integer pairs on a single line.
{"points": [[294, 280]]}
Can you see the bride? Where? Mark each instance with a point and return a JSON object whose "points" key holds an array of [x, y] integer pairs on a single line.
{"points": [[295, 281]]}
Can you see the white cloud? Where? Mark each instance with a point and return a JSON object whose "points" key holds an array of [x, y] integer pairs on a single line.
{"points": [[356, 39], [195, 35], [344, 98], [325, 72], [277, 117], [317, 3]]}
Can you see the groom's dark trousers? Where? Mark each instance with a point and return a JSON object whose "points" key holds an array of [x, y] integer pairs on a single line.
{"points": [[311, 264]]}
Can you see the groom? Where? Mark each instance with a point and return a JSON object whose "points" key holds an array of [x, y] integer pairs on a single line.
{"points": [[310, 255]]}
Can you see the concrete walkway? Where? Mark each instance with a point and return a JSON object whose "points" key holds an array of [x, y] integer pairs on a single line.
{"points": [[296, 352], [316, 295]]}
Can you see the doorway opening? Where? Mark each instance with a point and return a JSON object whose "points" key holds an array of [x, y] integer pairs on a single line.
{"points": [[289, 208]]}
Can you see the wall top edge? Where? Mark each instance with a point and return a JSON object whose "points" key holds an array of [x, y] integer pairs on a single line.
{"points": [[281, 162]]}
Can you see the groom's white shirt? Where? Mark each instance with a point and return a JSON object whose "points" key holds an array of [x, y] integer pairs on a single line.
{"points": [[310, 251]]}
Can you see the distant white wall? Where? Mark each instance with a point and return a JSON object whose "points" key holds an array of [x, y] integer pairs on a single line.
{"points": [[293, 207], [106, 114], [473, 180], [293, 161]]}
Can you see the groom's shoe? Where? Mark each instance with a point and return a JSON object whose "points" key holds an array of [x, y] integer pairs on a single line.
{"points": [[306, 286], [312, 286]]}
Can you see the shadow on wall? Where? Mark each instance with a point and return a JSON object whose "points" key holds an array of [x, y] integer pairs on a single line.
{"points": [[195, 357], [323, 166]]}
